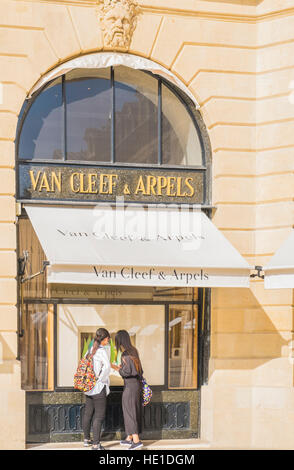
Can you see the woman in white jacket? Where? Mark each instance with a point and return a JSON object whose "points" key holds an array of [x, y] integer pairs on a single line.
{"points": [[96, 399]]}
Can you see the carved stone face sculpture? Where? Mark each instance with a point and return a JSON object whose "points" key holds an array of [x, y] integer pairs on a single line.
{"points": [[118, 22]]}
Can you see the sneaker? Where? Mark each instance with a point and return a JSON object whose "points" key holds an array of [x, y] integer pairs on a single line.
{"points": [[88, 442], [99, 447], [126, 442], [136, 445]]}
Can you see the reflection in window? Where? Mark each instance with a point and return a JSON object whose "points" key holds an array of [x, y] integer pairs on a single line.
{"points": [[88, 115], [182, 370], [136, 134], [180, 142], [36, 347], [42, 134]]}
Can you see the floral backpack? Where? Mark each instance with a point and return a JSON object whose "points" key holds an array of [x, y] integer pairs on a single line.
{"points": [[84, 378], [146, 392]]}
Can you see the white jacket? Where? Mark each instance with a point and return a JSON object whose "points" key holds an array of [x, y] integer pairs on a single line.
{"points": [[102, 368]]}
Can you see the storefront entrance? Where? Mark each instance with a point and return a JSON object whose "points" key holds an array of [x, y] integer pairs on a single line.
{"points": [[165, 330]]}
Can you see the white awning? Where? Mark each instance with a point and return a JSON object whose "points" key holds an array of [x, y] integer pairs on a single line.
{"points": [[279, 272], [154, 246]]}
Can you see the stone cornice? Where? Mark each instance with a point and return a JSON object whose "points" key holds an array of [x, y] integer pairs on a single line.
{"points": [[221, 16]]}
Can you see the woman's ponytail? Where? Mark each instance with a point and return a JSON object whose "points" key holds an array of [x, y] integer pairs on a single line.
{"points": [[100, 335]]}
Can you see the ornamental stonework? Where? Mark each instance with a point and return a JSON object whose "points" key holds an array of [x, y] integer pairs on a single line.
{"points": [[118, 19]]}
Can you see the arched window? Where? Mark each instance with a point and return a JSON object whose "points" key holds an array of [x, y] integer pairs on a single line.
{"points": [[114, 115]]}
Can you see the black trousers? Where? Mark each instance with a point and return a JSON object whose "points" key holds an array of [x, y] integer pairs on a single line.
{"points": [[132, 406], [95, 409]]}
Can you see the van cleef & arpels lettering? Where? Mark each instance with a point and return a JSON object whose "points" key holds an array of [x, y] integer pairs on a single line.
{"points": [[127, 273], [106, 184]]}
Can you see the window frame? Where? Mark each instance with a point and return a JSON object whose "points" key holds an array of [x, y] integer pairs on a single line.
{"points": [[185, 101], [195, 303]]}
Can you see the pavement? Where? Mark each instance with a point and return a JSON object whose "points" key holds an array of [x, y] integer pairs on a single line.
{"points": [[172, 444]]}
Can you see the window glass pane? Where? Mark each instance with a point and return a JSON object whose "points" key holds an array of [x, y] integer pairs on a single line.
{"points": [[42, 134], [136, 98], [180, 142], [36, 347], [182, 370], [88, 115], [77, 324]]}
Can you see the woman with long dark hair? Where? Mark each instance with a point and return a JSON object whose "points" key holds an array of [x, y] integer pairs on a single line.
{"points": [[131, 371], [96, 398]]}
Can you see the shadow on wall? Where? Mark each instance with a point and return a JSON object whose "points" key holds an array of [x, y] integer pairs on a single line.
{"points": [[7, 357], [243, 335]]}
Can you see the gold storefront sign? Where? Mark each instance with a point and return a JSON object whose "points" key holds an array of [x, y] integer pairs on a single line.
{"points": [[95, 184]]}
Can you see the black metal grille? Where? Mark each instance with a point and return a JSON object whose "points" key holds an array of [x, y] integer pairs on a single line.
{"points": [[68, 418]]}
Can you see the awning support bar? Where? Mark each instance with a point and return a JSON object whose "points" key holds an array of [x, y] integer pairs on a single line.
{"points": [[22, 264], [259, 270]]}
